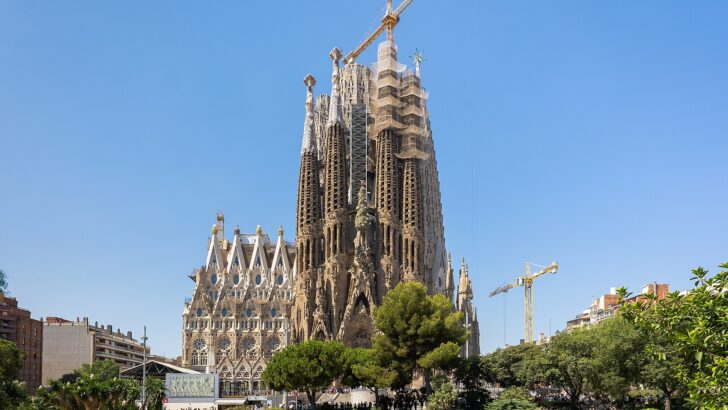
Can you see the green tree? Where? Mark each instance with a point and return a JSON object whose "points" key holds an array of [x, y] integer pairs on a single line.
{"points": [[355, 358], [3, 283], [513, 398], [101, 369], [619, 358], [443, 398], [443, 357], [155, 393], [88, 392], [511, 404], [92, 386], [659, 373], [659, 360], [12, 393], [413, 324], [510, 366], [568, 361], [695, 328], [515, 393], [471, 376], [11, 360], [308, 366], [361, 368]]}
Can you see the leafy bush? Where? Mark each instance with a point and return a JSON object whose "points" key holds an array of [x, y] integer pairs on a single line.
{"points": [[515, 393], [443, 398], [511, 404]]}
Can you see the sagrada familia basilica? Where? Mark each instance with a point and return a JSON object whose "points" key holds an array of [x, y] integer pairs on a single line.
{"points": [[368, 217]]}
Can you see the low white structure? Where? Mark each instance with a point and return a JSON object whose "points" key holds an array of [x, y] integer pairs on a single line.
{"points": [[191, 391]]}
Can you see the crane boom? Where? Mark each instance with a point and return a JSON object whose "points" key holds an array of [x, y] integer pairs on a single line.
{"points": [[389, 21], [402, 6], [363, 46], [504, 288], [549, 269]]}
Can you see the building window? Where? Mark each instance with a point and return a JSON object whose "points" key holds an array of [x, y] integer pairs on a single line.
{"points": [[199, 312], [199, 353], [258, 279], [213, 278], [236, 278]]}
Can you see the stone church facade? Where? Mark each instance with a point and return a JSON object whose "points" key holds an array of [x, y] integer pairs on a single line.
{"points": [[369, 214], [237, 317]]}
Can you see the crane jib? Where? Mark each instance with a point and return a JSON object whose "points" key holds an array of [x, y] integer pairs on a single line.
{"points": [[389, 21]]}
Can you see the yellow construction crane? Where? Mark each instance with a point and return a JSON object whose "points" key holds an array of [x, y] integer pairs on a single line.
{"points": [[390, 19], [526, 281]]}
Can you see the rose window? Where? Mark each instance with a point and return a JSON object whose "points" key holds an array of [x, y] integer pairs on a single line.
{"points": [[199, 344], [223, 343], [249, 343]]}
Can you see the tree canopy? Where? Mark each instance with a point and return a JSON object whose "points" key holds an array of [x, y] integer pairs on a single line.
{"points": [[95, 386], [3, 282], [688, 333], [416, 330], [568, 362], [308, 366], [618, 357], [507, 367], [471, 376], [11, 360]]}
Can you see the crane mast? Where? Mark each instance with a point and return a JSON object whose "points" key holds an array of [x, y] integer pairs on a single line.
{"points": [[526, 280], [388, 22]]}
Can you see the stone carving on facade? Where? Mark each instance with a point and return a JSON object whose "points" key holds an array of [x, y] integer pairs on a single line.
{"points": [[404, 236], [238, 315]]}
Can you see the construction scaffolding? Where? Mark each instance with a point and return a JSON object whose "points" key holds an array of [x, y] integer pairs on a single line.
{"points": [[358, 151]]}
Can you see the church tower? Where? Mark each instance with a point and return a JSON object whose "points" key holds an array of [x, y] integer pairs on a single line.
{"points": [[380, 213], [308, 224], [337, 235], [470, 315]]}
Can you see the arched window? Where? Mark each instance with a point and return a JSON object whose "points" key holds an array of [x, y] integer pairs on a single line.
{"points": [[199, 352]]}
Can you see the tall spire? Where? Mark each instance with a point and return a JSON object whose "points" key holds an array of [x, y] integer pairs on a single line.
{"points": [[449, 281], [309, 139], [336, 115]]}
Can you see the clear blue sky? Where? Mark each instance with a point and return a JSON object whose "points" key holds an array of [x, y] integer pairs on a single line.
{"points": [[592, 133]]}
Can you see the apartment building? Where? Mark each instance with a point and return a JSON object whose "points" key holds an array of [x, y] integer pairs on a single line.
{"points": [[70, 344], [17, 326]]}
